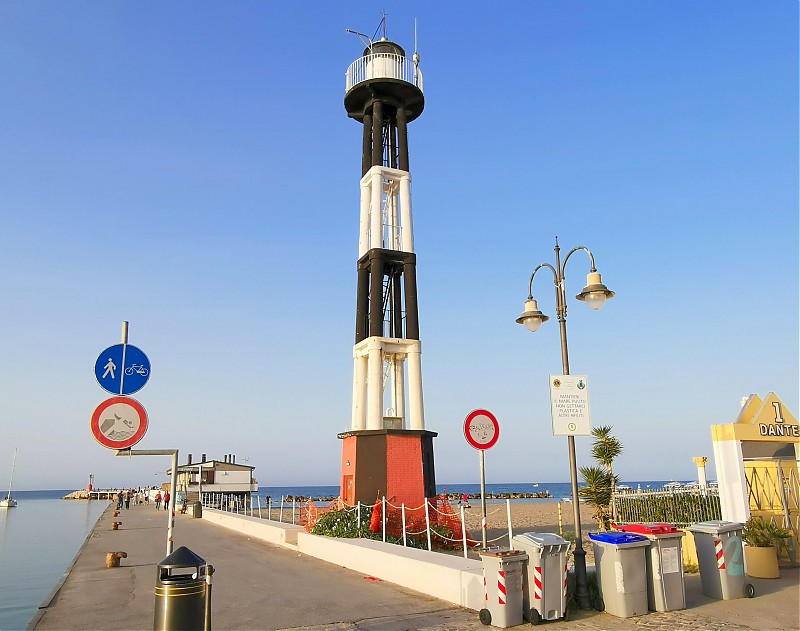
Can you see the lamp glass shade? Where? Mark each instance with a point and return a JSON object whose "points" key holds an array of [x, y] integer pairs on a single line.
{"points": [[532, 323], [595, 299]]}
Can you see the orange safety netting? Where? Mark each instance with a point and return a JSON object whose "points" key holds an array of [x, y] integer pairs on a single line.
{"points": [[311, 513], [446, 528]]}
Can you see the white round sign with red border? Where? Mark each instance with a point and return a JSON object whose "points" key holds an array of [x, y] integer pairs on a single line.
{"points": [[119, 423], [481, 429]]}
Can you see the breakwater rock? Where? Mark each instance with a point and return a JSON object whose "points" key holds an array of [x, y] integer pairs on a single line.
{"points": [[77, 495], [502, 496], [450, 496], [83, 494]]}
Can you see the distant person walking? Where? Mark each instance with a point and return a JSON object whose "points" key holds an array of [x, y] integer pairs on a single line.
{"points": [[128, 499], [119, 500], [158, 500], [166, 500]]}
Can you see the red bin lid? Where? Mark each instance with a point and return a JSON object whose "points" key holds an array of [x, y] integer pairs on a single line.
{"points": [[647, 529]]}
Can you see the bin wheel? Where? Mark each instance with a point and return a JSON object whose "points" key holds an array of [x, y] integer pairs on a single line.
{"points": [[749, 590], [598, 604], [485, 616], [535, 617], [567, 615]]}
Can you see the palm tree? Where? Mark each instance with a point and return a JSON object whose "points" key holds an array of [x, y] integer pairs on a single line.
{"points": [[605, 450], [597, 493]]}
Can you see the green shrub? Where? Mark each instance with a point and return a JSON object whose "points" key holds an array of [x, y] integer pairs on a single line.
{"points": [[681, 509], [345, 524], [763, 533]]}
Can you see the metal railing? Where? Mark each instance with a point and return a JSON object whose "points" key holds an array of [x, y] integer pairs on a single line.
{"points": [[680, 507], [383, 65]]}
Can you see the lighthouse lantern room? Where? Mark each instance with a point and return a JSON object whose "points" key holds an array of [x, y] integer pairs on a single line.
{"points": [[387, 451]]}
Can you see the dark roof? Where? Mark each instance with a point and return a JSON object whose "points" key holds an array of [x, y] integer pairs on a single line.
{"points": [[214, 464]]}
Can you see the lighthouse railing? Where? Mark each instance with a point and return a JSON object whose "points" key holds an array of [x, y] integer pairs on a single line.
{"points": [[383, 65]]}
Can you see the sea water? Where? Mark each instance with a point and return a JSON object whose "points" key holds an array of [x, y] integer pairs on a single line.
{"points": [[39, 539], [556, 490]]}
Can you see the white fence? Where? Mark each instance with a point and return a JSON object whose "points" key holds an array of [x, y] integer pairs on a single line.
{"points": [[405, 521], [383, 65]]}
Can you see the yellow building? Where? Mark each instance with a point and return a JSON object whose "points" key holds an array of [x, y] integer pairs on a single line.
{"points": [[757, 465]]}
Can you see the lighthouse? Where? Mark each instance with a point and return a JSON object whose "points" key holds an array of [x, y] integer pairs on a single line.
{"points": [[387, 451]]}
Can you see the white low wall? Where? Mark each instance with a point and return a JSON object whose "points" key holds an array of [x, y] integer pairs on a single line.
{"points": [[451, 578], [271, 531]]}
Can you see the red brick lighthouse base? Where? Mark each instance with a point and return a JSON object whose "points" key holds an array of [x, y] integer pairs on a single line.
{"points": [[394, 463]]}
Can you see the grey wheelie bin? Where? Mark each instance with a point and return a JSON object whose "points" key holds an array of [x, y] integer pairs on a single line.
{"points": [[665, 587], [721, 559], [544, 583], [502, 576], [619, 558]]}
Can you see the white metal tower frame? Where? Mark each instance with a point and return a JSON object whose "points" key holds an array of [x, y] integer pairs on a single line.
{"points": [[381, 362], [388, 190]]}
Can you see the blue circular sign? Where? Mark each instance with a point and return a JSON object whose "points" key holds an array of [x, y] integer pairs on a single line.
{"points": [[122, 369]]}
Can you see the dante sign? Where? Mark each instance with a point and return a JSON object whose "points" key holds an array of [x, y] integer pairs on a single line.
{"points": [[569, 405]]}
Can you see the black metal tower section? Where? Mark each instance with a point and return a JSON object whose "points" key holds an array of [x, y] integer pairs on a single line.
{"points": [[385, 103]]}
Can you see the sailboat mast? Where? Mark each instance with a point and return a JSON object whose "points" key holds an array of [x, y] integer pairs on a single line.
{"points": [[13, 465]]}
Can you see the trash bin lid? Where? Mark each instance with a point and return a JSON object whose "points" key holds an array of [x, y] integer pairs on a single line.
{"points": [[715, 527], [540, 539], [648, 529], [501, 552], [618, 538], [182, 557]]}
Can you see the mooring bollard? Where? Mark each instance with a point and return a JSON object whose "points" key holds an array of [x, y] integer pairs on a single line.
{"points": [[112, 558], [116, 513], [115, 525]]}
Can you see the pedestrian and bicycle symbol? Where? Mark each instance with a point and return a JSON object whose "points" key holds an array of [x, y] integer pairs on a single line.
{"points": [[122, 369]]}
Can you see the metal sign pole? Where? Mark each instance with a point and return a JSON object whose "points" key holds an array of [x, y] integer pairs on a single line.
{"points": [[173, 483], [124, 348], [172, 491], [483, 499], [482, 430]]}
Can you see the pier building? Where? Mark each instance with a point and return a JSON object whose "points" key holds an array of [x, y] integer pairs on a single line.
{"points": [[219, 477]]}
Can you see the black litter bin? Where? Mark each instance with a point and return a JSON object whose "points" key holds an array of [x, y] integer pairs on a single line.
{"points": [[197, 510], [183, 593]]}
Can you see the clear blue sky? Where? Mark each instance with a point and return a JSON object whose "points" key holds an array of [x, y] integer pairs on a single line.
{"points": [[189, 167]]}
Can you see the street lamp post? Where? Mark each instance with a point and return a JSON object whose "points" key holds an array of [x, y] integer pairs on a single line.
{"points": [[595, 295]]}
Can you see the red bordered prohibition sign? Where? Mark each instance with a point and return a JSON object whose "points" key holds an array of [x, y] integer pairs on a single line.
{"points": [[481, 429], [119, 422]]}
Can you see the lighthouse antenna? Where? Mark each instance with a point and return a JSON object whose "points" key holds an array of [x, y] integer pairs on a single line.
{"points": [[364, 38], [382, 24], [415, 58]]}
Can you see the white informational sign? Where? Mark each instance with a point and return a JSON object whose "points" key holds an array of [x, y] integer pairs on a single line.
{"points": [[669, 560], [569, 405]]}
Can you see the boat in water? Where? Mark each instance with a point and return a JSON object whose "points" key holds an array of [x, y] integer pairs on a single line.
{"points": [[9, 501]]}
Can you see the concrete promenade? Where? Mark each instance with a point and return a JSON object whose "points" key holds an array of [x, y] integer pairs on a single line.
{"points": [[258, 585]]}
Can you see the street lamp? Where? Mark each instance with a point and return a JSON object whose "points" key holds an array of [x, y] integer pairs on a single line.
{"points": [[595, 295]]}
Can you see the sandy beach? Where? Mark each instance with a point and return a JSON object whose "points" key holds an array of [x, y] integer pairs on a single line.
{"points": [[527, 516]]}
